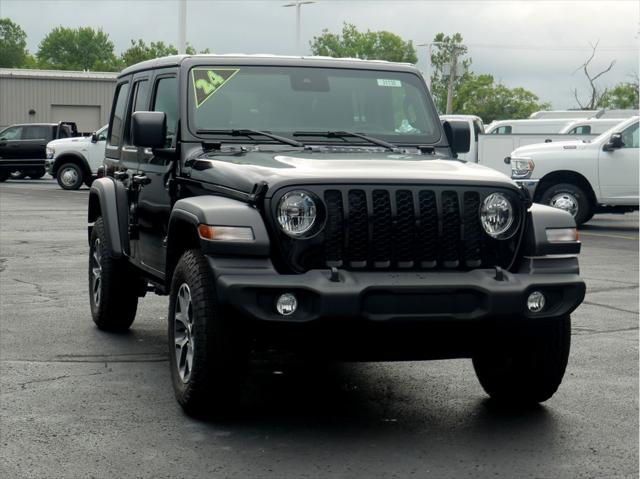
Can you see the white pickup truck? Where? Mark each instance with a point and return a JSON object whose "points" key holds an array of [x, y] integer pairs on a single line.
{"points": [[491, 149], [583, 177], [74, 161]]}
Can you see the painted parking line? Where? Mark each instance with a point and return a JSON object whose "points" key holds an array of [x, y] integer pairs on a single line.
{"points": [[632, 238]]}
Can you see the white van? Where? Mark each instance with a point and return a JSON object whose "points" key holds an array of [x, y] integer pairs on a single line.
{"points": [[539, 115], [513, 127], [593, 126]]}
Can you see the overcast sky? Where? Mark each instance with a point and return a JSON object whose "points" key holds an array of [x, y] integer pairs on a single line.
{"points": [[536, 44]]}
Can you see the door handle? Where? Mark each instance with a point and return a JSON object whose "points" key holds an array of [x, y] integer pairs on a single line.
{"points": [[141, 180]]}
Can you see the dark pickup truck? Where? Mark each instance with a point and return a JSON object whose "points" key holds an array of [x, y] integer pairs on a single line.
{"points": [[23, 147]]}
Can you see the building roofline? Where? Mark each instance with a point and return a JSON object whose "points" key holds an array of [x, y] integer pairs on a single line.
{"points": [[57, 74]]}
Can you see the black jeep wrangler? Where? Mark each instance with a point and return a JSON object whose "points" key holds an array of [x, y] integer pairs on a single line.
{"points": [[318, 205]]}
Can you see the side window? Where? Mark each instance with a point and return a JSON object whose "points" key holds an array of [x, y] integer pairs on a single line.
{"points": [[580, 130], [13, 133], [166, 100], [140, 102], [35, 132], [630, 136], [102, 134], [117, 116], [502, 130]]}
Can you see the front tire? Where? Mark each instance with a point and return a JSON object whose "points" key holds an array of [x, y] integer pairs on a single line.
{"points": [[208, 353], [571, 198], [524, 364], [113, 287], [36, 174], [70, 176]]}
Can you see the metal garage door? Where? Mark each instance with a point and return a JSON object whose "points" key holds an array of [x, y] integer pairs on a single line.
{"points": [[87, 117]]}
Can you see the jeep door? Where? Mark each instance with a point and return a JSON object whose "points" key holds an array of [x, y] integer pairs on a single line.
{"points": [[154, 200], [618, 170]]}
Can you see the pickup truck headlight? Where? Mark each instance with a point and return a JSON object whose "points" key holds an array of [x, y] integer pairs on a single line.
{"points": [[297, 213], [50, 152], [521, 168], [497, 216]]}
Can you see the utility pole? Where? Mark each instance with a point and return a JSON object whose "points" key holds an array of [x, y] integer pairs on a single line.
{"points": [[453, 72], [298, 4], [429, 53], [182, 27]]}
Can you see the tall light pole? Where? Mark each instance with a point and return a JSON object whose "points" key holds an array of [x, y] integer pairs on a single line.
{"points": [[298, 4], [182, 27]]}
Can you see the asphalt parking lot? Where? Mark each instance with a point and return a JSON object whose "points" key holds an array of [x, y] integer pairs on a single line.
{"points": [[77, 402]]}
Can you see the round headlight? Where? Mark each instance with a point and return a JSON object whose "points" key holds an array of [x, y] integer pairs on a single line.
{"points": [[296, 213], [496, 216]]}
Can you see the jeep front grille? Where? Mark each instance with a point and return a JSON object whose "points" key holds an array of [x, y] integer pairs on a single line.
{"points": [[401, 227]]}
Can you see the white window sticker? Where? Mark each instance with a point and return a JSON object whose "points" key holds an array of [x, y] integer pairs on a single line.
{"points": [[387, 82]]}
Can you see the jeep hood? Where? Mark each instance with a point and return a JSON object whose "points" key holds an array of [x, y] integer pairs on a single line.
{"points": [[243, 170], [552, 147]]}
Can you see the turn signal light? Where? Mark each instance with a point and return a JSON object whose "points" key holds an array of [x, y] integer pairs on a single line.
{"points": [[225, 233]]}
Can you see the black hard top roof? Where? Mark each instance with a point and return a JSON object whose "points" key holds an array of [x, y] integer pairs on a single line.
{"points": [[267, 60]]}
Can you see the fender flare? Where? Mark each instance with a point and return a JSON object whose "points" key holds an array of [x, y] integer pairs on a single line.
{"points": [[107, 199], [60, 160], [188, 213], [539, 219]]}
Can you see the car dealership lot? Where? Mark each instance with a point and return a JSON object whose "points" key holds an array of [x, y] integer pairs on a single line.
{"points": [[78, 402]]}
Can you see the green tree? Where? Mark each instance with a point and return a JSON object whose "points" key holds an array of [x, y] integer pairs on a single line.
{"points": [[480, 95], [13, 44], [443, 50], [367, 45], [139, 51], [77, 49], [622, 96]]}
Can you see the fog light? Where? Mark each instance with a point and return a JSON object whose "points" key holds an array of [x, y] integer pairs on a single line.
{"points": [[286, 304], [535, 302]]}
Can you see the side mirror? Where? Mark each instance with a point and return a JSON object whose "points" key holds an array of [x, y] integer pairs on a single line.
{"points": [[614, 142], [149, 129], [94, 137], [459, 136]]}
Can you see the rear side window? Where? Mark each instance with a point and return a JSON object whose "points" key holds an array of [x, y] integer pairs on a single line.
{"points": [[117, 116], [166, 100], [581, 130], [502, 130], [13, 133], [35, 132]]}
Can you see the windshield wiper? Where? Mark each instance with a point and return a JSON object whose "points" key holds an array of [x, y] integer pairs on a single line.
{"points": [[249, 133], [343, 134]]}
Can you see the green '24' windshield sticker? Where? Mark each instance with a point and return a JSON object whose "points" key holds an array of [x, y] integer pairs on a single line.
{"points": [[207, 81]]}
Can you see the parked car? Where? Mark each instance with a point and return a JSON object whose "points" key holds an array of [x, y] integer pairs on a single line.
{"points": [[552, 114], [74, 161], [22, 147], [583, 177], [317, 204]]}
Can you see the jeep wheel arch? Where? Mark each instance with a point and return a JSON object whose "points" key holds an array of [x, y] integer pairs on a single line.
{"points": [[107, 200], [188, 213]]}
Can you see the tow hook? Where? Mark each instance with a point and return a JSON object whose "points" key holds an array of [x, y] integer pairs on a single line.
{"points": [[335, 275], [499, 274]]}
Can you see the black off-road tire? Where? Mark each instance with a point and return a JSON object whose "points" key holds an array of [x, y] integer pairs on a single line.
{"points": [[584, 212], [220, 351], [114, 300], [17, 175], [70, 176], [524, 365]]}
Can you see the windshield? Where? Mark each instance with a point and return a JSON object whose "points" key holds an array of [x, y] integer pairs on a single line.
{"points": [[285, 100]]}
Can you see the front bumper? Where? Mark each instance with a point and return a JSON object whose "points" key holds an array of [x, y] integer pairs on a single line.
{"points": [[401, 296], [48, 165], [529, 185]]}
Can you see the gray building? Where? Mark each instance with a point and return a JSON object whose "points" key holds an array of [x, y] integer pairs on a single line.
{"points": [[50, 96]]}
